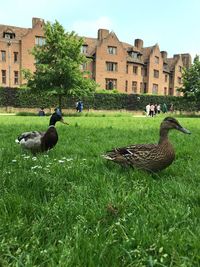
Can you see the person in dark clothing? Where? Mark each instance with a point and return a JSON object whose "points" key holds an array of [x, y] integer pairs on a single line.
{"points": [[41, 112], [80, 106]]}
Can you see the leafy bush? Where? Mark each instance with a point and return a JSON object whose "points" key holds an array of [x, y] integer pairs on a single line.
{"points": [[108, 101]]}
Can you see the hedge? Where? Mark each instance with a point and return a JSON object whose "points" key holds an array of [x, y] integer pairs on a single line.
{"points": [[22, 98]]}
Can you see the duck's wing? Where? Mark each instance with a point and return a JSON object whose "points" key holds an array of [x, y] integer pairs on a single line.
{"points": [[30, 140], [30, 135], [131, 155]]}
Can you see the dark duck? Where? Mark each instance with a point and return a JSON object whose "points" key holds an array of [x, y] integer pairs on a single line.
{"points": [[36, 141], [149, 157]]}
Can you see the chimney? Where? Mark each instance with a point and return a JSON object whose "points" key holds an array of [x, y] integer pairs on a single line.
{"points": [[102, 33], [164, 54], [187, 60], [36, 21], [139, 43], [177, 56]]}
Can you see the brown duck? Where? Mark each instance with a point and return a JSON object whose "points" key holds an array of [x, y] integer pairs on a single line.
{"points": [[149, 157], [36, 141]]}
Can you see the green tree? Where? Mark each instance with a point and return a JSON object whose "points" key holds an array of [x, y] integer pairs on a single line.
{"points": [[58, 63], [191, 80]]}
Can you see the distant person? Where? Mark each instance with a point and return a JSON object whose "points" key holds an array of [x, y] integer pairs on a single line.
{"points": [[148, 109], [77, 106], [171, 109], [155, 109], [164, 108], [41, 112], [158, 108], [152, 110], [80, 106]]}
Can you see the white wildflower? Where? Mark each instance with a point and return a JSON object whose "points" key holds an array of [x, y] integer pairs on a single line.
{"points": [[61, 161], [14, 160], [34, 167], [69, 159]]}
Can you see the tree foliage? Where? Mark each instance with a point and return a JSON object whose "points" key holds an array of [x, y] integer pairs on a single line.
{"points": [[191, 80], [58, 63]]}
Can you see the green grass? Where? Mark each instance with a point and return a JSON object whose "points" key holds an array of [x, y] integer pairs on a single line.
{"points": [[71, 207]]}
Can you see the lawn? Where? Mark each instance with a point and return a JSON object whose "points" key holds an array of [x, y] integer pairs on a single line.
{"points": [[72, 208]]}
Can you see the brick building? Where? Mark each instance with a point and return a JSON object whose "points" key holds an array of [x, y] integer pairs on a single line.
{"points": [[112, 63], [15, 46]]}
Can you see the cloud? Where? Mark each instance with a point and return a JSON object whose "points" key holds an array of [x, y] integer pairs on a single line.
{"points": [[90, 27]]}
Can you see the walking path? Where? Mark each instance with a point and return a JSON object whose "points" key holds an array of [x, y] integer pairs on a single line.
{"points": [[7, 114]]}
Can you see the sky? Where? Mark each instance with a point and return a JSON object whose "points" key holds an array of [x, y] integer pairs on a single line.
{"points": [[173, 24]]}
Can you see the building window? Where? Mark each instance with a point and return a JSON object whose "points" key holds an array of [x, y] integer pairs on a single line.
{"points": [[127, 68], [111, 84], [112, 50], [126, 86], [165, 66], [84, 49], [155, 89], [134, 87], [16, 77], [3, 55], [144, 71], [156, 60], [84, 66], [3, 76], [180, 68], [133, 54], [15, 57], [145, 91], [179, 80], [165, 90], [156, 74], [166, 77], [8, 35], [141, 88], [40, 41], [111, 66], [135, 70]]}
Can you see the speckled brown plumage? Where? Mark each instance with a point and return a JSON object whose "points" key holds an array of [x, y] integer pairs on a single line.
{"points": [[149, 157]]}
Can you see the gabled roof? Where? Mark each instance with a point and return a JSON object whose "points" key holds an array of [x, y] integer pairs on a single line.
{"points": [[172, 62], [146, 52], [92, 44], [19, 32]]}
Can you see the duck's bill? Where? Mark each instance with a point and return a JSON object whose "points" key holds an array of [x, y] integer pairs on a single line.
{"points": [[184, 130], [64, 122]]}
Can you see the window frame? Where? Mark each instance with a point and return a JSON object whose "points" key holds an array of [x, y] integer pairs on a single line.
{"points": [[134, 87], [15, 55], [3, 55], [155, 88], [111, 66], [40, 40], [156, 74], [112, 50], [16, 77], [108, 82], [135, 70], [3, 76]]}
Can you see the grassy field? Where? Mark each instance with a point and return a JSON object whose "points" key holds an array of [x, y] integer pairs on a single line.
{"points": [[72, 208]]}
